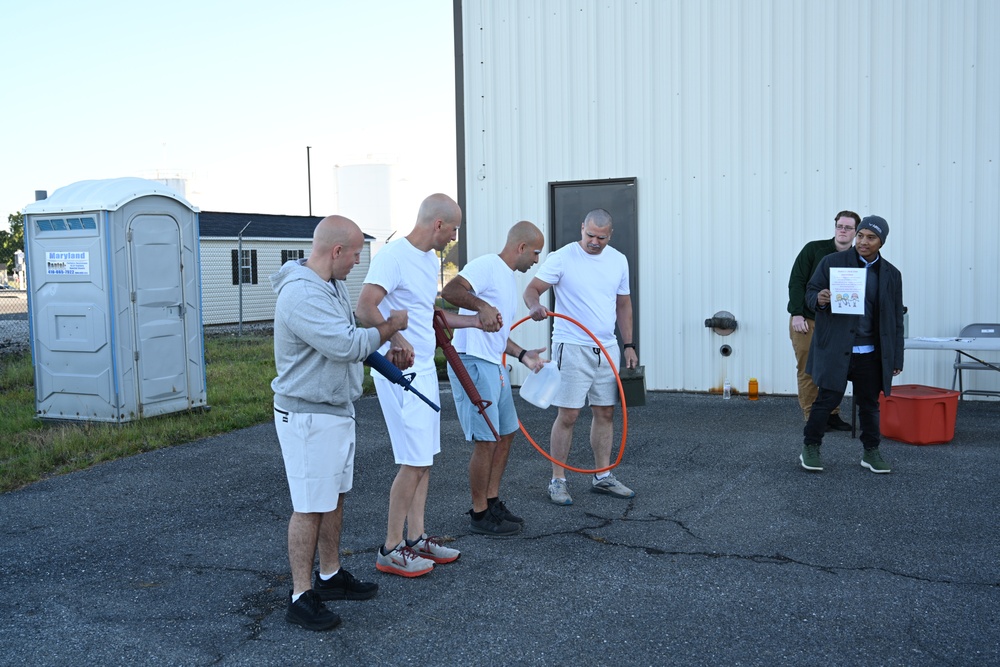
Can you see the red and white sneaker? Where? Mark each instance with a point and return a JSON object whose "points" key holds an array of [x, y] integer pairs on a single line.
{"points": [[431, 549], [403, 561]]}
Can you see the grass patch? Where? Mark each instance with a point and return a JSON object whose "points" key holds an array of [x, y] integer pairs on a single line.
{"points": [[239, 371]]}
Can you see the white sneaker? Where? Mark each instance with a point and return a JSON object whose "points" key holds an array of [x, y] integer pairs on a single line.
{"points": [[559, 492], [611, 487]]}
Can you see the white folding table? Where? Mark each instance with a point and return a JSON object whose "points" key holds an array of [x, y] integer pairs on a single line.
{"points": [[960, 345]]}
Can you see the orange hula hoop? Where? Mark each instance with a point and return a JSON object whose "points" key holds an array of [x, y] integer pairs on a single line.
{"points": [[621, 394]]}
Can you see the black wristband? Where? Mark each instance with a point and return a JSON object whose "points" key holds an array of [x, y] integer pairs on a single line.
{"points": [[520, 357], [628, 345]]}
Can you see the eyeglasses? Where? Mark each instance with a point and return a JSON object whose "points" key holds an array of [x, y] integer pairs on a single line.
{"points": [[844, 228]]}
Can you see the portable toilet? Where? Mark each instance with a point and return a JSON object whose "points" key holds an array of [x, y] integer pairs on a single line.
{"points": [[114, 301]]}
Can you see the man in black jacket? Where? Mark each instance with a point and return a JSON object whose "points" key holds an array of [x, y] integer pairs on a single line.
{"points": [[866, 349]]}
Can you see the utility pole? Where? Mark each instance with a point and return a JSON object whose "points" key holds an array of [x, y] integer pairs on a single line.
{"points": [[309, 180], [239, 266]]}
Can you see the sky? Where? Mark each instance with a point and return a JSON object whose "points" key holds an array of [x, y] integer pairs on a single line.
{"points": [[228, 95]]}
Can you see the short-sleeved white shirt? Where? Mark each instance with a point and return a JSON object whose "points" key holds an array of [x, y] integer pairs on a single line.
{"points": [[409, 276], [587, 288], [493, 282]]}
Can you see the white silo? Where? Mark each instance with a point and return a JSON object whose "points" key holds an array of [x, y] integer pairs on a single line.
{"points": [[364, 194]]}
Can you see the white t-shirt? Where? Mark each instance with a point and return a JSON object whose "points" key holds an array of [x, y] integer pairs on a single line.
{"points": [[493, 282], [587, 288], [409, 276]]}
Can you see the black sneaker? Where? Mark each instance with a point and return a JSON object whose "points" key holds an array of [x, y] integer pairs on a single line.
{"points": [[310, 612], [505, 513], [493, 524], [343, 586]]}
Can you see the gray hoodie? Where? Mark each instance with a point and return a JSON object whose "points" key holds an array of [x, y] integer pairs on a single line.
{"points": [[318, 346]]}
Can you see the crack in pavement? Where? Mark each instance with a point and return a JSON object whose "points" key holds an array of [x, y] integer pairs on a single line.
{"points": [[773, 559]]}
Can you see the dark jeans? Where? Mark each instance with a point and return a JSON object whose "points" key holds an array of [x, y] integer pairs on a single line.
{"points": [[865, 373]]}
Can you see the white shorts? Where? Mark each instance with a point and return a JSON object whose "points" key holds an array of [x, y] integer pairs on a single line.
{"points": [[414, 427], [585, 376], [318, 450]]}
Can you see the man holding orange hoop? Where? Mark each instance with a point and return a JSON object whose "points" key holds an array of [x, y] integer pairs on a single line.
{"points": [[487, 288], [592, 287]]}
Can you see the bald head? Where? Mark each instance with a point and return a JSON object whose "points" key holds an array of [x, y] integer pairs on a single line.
{"points": [[437, 225], [334, 230], [524, 232], [523, 247], [598, 218], [336, 247], [438, 207]]}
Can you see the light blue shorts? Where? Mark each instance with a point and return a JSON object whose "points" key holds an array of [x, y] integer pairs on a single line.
{"points": [[493, 384]]}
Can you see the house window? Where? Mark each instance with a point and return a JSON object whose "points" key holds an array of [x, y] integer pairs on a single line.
{"points": [[244, 267], [292, 254]]}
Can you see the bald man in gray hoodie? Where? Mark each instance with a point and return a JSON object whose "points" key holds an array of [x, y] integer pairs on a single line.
{"points": [[318, 350]]}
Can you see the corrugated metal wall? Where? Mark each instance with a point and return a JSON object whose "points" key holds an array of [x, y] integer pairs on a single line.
{"points": [[749, 124]]}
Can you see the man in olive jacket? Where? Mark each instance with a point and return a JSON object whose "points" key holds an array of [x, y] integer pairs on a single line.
{"points": [[802, 320], [865, 349]]}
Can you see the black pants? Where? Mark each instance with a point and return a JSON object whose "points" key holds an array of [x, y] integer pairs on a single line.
{"points": [[865, 373]]}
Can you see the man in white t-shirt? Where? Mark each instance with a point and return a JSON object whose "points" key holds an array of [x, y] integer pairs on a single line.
{"points": [[405, 271], [487, 288], [591, 281]]}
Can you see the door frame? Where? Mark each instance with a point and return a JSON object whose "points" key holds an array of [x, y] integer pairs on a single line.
{"points": [[566, 216]]}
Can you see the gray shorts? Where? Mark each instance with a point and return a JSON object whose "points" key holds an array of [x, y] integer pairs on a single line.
{"points": [[586, 376]]}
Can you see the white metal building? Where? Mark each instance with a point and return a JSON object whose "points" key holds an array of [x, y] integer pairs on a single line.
{"points": [[743, 126]]}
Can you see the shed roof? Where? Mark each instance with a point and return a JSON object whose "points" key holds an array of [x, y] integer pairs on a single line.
{"points": [[102, 195], [229, 225]]}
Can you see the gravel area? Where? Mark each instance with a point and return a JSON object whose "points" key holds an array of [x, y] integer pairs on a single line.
{"points": [[13, 336]]}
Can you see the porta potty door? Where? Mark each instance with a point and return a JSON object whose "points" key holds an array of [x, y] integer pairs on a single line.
{"points": [[157, 292]]}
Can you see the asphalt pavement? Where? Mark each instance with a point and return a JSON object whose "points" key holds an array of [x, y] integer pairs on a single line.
{"points": [[730, 553]]}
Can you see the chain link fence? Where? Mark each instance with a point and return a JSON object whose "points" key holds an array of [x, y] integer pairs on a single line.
{"points": [[13, 319]]}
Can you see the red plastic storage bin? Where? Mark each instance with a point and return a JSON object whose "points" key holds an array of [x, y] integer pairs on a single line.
{"points": [[919, 415]]}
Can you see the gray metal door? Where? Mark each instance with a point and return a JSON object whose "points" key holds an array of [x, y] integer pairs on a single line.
{"points": [[158, 307], [569, 203]]}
